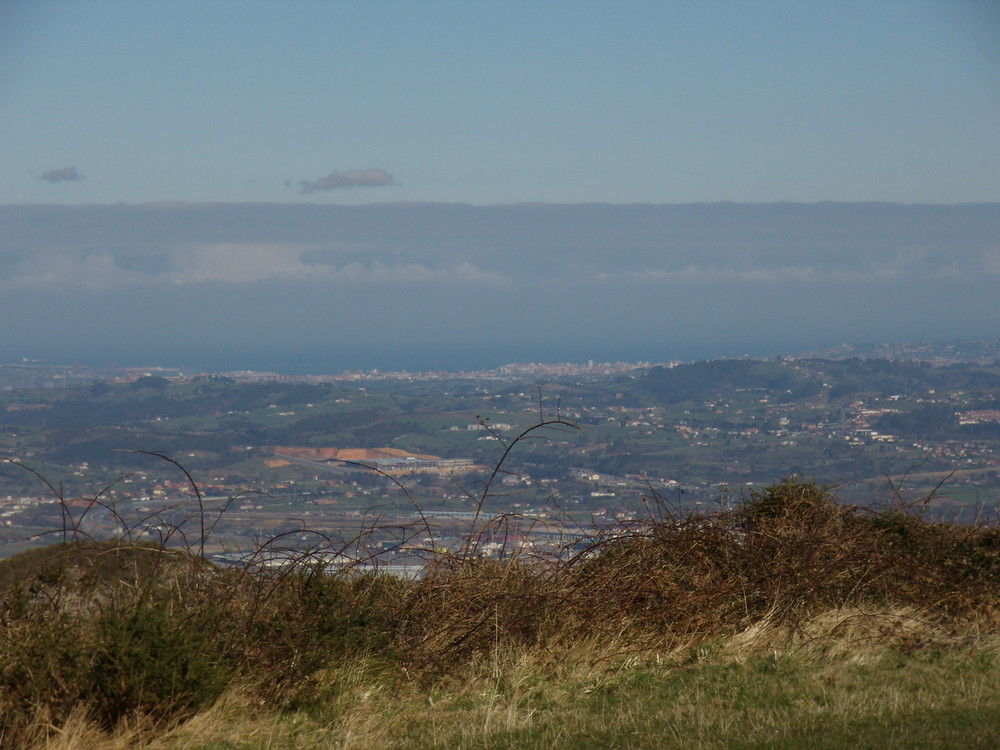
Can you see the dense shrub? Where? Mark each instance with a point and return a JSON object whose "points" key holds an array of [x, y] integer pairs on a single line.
{"points": [[784, 555], [129, 631]]}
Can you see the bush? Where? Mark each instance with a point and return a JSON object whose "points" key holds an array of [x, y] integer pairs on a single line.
{"points": [[132, 631], [148, 658]]}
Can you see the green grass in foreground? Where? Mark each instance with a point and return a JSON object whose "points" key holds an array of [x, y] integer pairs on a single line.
{"points": [[937, 700]]}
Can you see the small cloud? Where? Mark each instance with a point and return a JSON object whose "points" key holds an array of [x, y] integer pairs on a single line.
{"points": [[372, 177], [66, 174]]}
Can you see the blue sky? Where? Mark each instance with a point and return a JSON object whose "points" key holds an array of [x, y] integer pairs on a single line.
{"points": [[499, 102]]}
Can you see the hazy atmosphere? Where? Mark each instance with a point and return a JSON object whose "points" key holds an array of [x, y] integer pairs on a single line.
{"points": [[306, 186]]}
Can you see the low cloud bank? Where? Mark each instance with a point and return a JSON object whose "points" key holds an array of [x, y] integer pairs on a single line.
{"points": [[388, 281]]}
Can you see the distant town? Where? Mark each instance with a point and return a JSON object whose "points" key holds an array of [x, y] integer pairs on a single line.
{"points": [[33, 374], [405, 461]]}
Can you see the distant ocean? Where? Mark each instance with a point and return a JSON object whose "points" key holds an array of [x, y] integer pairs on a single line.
{"points": [[314, 362]]}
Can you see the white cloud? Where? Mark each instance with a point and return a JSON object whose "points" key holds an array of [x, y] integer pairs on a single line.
{"points": [[780, 274], [98, 270], [234, 264], [694, 273], [379, 272]]}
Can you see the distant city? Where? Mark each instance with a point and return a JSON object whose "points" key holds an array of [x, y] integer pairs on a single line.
{"points": [[33, 374]]}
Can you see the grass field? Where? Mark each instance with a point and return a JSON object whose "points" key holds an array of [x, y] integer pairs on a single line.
{"points": [[861, 697]]}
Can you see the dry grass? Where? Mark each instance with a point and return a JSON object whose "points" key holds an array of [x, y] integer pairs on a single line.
{"points": [[675, 627], [715, 695], [787, 554]]}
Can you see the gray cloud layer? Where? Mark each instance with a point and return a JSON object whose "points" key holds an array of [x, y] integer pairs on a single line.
{"points": [[371, 177], [521, 281], [66, 174], [530, 244]]}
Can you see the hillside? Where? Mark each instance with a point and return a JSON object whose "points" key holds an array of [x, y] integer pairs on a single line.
{"points": [[749, 628]]}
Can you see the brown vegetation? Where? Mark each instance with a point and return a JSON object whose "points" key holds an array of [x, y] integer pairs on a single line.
{"points": [[127, 635]]}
